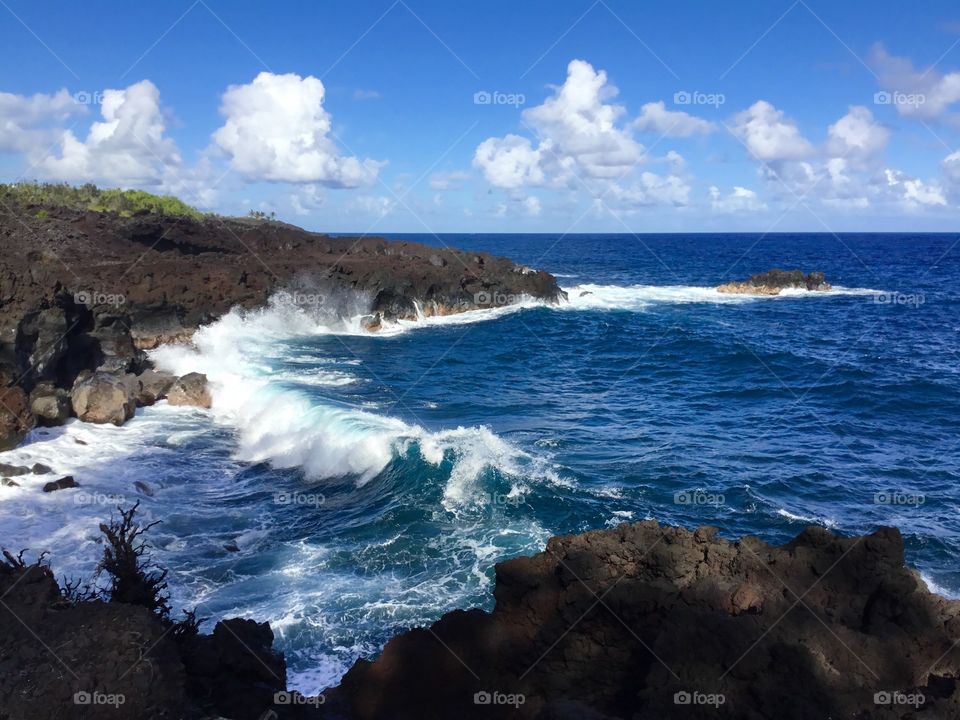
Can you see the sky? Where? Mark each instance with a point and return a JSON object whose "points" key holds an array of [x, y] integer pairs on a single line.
{"points": [[555, 116]]}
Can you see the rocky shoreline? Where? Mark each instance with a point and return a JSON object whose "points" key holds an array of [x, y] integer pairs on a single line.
{"points": [[84, 294], [637, 621]]}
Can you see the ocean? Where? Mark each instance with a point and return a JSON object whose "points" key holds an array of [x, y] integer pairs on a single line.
{"points": [[348, 486]]}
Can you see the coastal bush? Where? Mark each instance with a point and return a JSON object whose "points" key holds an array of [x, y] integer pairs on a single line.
{"points": [[131, 579], [89, 197]]}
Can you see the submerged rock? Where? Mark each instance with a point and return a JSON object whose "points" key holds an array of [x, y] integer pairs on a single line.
{"points": [[774, 281], [191, 389], [63, 483], [104, 398]]}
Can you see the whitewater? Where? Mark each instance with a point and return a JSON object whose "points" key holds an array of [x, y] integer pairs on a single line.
{"points": [[347, 485]]}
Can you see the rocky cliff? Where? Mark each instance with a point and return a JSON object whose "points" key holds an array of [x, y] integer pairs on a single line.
{"points": [[85, 293], [639, 621]]}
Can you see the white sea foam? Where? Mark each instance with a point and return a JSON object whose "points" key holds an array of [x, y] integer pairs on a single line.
{"points": [[934, 587], [280, 424], [589, 296]]}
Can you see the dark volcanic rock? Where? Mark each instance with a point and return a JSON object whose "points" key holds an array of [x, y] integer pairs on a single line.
{"points": [[191, 389], [774, 281], [636, 621], [64, 483], [154, 386], [165, 276], [104, 398], [16, 420], [50, 405]]}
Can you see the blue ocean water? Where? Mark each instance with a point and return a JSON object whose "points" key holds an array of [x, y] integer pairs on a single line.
{"points": [[365, 485]]}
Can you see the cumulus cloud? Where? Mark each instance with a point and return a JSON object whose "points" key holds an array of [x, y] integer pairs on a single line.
{"points": [[654, 117], [857, 136], [277, 129], [583, 138], [509, 162], [127, 147], [769, 134], [579, 136], [740, 199], [27, 122], [652, 189], [532, 206], [926, 95], [307, 199]]}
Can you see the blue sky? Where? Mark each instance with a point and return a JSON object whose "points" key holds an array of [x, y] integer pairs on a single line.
{"points": [[423, 116]]}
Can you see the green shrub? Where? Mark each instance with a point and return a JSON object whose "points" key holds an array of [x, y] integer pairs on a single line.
{"points": [[89, 197]]}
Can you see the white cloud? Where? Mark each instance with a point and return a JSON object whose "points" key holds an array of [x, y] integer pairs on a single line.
{"points": [[654, 117], [653, 189], [913, 192], [857, 136], [578, 138], [740, 199], [277, 129], [377, 205], [128, 147], [950, 167], [509, 162], [532, 206], [769, 135], [926, 95], [307, 199], [361, 94], [448, 180], [27, 122]]}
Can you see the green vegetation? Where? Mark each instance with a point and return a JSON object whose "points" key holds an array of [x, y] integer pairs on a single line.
{"points": [[89, 197]]}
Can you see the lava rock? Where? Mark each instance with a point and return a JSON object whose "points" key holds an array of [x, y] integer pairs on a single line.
{"points": [[104, 398], [50, 405], [16, 419], [191, 389], [63, 483], [154, 386]]}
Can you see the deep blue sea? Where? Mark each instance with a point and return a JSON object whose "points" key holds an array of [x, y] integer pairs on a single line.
{"points": [[349, 486]]}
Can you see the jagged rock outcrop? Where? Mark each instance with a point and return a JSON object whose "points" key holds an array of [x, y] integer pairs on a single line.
{"points": [[773, 282], [644, 621], [191, 389], [16, 419], [639, 621], [105, 398]]}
